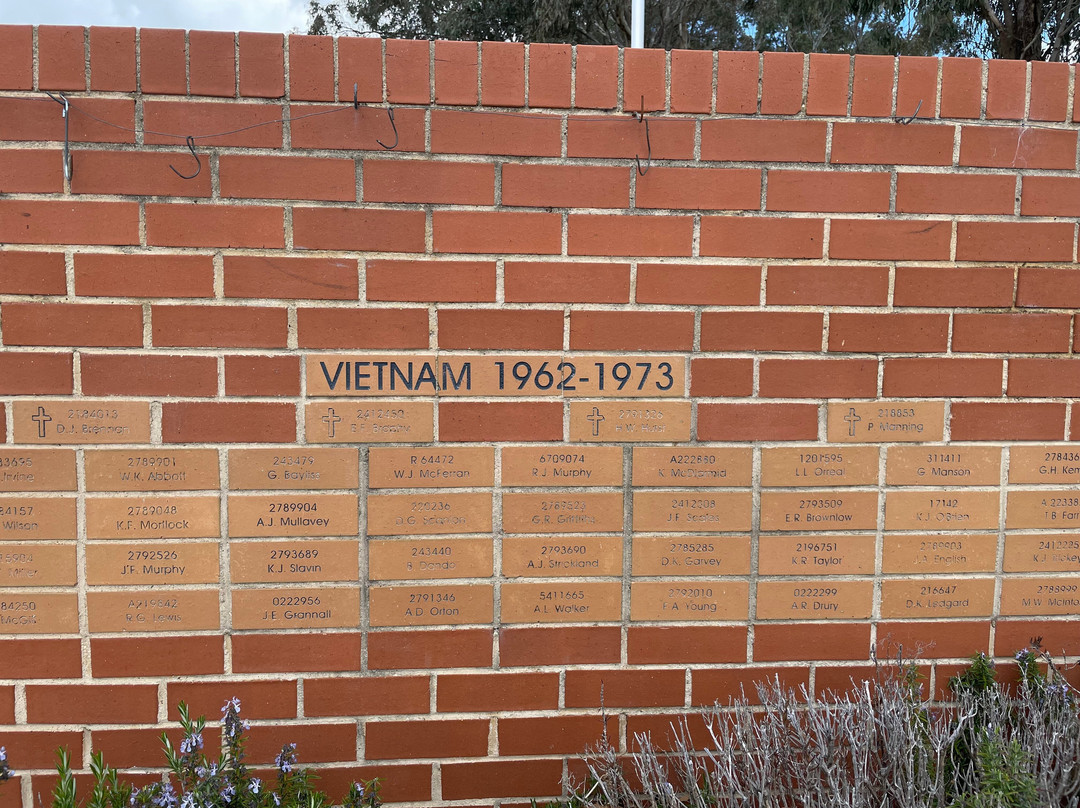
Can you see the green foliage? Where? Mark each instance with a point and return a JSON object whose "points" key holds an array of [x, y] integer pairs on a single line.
{"points": [[979, 678], [1005, 780]]}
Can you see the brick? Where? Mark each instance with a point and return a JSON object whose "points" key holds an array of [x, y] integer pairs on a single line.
{"points": [[218, 327], [138, 173], [276, 699], [1044, 377], [1058, 636], [61, 57], [29, 119], [148, 375], [1050, 196], [553, 735], [755, 422], [286, 653], [888, 333], [919, 240], [629, 235], [670, 139], [667, 645], [227, 422], [761, 331], [718, 378], [360, 64], [86, 324], [501, 778], [842, 680], [818, 378], [460, 132], [697, 285], [740, 236], [1022, 332], [91, 704], [737, 82], [566, 282], [262, 65], [362, 328], [212, 63], [57, 221], [872, 89], [691, 81], [33, 658], [773, 643], [520, 329], [142, 747], [352, 696], [499, 232], [157, 656], [36, 373], [596, 81], [937, 377], [986, 420], [726, 686], [31, 171], [955, 193], [631, 330], [290, 277], [408, 78], [429, 181], [16, 57], [163, 61], [763, 141], [112, 59], [7, 704], [456, 73], [827, 88], [698, 189], [317, 743], [625, 688], [146, 275], [1014, 241], [1017, 147], [781, 83], [1048, 287], [500, 421], [645, 79], [892, 144], [497, 692], [360, 229], [961, 87], [1006, 85], [1049, 91], [935, 640], [262, 375], [565, 186], [213, 117], [311, 68], [37, 748], [423, 650], [827, 286], [269, 177], [32, 273], [430, 281], [180, 225], [502, 74], [408, 783], [559, 646], [847, 192], [916, 86], [359, 129], [962, 287], [549, 75]]}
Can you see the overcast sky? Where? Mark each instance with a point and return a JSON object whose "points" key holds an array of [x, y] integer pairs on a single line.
{"points": [[206, 15]]}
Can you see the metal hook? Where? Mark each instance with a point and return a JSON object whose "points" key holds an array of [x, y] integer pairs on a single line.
{"points": [[648, 143], [390, 113], [355, 102], [198, 162], [62, 100], [906, 121]]}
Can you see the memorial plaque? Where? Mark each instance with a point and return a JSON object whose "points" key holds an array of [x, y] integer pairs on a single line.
{"points": [[296, 608], [943, 509], [377, 375], [693, 512], [429, 559], [1042, 552], [1038, 596], [712, 466], [37, 470], [553, 557], [816, 555], [1053, 508], [26, 564], [550, 466], [936, 597], [153, 517], [369, 422], [802, 466], [427, 514], [37, 518], [645, 376], [436, 467], [691, 555], [144, 564], [562, 512], [293, 468], [1054, 464], [162, 469], [78, 422], [819, 510], [814, 600], [886, 421], [270, 515], [629, 421], [23, 612], [296, 561], [153, 610], [507, 375], [975, 552], [692, 600], [943, 465], [593, 602], [448, 604]]}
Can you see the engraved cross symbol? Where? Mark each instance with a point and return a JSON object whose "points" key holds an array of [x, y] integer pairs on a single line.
{"points": [[41, 418], [330, 419], [852, 419], [596, 418]]}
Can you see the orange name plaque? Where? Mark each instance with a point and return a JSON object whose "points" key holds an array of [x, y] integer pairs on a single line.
{"points": [[153, 610], [692, 600], [37, 470], [629, 421], [943, 465], [955, 552], [441, 467], [816, 555], [557, 556], [79, 421], [712, 466], [23, 612], [26, 564], [1042, 552], [429, 559], [1055, 464], [592, 602], [268, 515], [293, 561], [946, 509], [886, 421], [37, 518], [691, 555], [427, 514], [819, 510], [1049, 508], [562, 513], [144, 564], [162, 469], [1035, 596], [153, 517], [937, 597], [803, 466], [547, 466], [369, 422], [692, 512], [324, 607], [814, 600], [294, 468], [449, 604]]}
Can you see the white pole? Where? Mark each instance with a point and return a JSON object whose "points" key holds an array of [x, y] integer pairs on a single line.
{"points": [[637, 25]]}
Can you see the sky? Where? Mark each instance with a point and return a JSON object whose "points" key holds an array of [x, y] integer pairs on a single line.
{"points": [[205, 15]]}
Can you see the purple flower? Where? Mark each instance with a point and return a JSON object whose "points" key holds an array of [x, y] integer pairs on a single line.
{"points": [[190, 743], [254, 785], [286, 759]]}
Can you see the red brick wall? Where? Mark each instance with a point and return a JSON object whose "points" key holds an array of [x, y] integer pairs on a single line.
{"points": [[793, 252]]}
